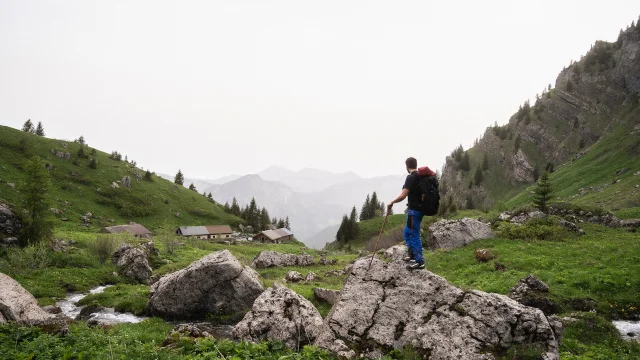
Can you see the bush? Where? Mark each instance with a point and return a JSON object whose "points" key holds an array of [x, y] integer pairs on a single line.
{"points": [[105, 245], [169, 243], [535, 229], [32, 257]]}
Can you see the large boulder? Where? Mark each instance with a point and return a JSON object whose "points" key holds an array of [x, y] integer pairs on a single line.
{"points": [[452, 234], [531, 291], [387, 306], [9, 225], [328, 295], [133, 263], [280, 314], [17, 304], [270, 258], [215, 285]]}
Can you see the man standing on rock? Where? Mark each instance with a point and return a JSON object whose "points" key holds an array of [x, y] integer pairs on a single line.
{"points": [[414, 215]]}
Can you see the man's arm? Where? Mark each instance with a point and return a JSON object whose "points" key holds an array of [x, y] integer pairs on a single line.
{"points": [[400, 197]]}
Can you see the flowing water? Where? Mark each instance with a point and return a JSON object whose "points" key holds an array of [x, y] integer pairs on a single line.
{"points": [[70, 308], [630, 330]]}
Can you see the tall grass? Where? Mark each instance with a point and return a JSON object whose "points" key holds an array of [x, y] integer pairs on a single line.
{"points": [[106, 244]]}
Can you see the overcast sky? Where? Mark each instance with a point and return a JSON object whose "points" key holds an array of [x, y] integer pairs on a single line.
{"points": [[222, 87]]}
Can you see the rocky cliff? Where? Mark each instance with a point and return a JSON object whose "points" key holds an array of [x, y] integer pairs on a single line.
{"points": [[592, 98]]}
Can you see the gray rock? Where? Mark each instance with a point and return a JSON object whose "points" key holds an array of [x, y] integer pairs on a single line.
{"points": [[293, 276], [132, 262], [452, 234], [9, 224], [85, 312], [17, 304], [531, 291], [269, 258], [395, 253], [328, 295], [505, 216], [310, 276], [215, 285], [280, 314], [524, 217], [126, 181], [93, 322], [387, 306], [52, 309], [570, 226]]}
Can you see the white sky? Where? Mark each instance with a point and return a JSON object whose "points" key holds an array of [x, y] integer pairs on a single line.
{"points": [[221, 87]]}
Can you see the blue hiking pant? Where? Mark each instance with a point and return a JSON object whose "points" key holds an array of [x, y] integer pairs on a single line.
{"points": [[412, 235]]}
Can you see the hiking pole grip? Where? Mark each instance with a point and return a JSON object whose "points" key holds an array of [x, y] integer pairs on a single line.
{"points": [[379, 236]]}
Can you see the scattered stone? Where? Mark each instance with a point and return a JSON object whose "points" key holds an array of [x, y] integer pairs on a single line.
{"points": [[270, 258], [310, 276], [524, 217], [56, 211], [52, 309], [484, 255], [569, 320], [58, 245], [293, 276], [10, 241], [9, 225], [334, 273], [505, 216], [570, 226], [636, 173], [395, 253], [85, 313], [11, 185], [215, 285], [126, 181], [530, 291], [621, 171], [500, 266], [328, 295], [132, 262], [115, 185], [452, 234], [584, 304], [280, 314], [387, 306]]}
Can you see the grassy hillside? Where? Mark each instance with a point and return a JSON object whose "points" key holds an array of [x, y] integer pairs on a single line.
{"points": [[78, 189], [592, 179]]}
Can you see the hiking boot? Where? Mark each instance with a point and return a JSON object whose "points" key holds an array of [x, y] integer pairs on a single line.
{"points": [[407, 259], [415, 265]]}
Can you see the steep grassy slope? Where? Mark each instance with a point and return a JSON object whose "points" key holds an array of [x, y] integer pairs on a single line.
{"points": [[77, 189]]}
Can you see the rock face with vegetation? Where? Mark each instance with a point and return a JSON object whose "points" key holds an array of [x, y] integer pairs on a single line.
{"points": [[591, 100], [387, 306], [531, 291], [269, 258], [9, 225], [452, 234], [280, 314], [133, 263], [17, 304], [215, 285]]}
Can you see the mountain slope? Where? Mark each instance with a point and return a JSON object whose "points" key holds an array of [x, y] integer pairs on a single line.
{"points": [[78, 189], [594, 100], [307, 179]]}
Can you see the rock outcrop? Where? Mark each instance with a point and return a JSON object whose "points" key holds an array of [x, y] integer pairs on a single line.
{"points": [[215, 285], [387, 306], [328, 295], [280, 314], [452, 234], [531, 291], [269, 258], [17, 304], [133, 263], [9, 226]]}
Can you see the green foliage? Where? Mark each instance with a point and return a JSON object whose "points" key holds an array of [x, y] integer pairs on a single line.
{"points": [[546, 229], [464, 162], [477, 177], [121, 297], [40, 129], [457, 153], [82, 154], [106, 244], [31, 257], [593, 337], [28, 126], [485, 162], [192, 187], [147, 176], [542, 192], [35, 202], [569, 85], [93, 164], [179, 178]]}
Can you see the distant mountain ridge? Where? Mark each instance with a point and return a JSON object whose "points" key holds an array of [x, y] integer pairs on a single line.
{"points": [[306, 179]]}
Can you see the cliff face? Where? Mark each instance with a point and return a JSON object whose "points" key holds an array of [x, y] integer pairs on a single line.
{"points": [[591, 98]]}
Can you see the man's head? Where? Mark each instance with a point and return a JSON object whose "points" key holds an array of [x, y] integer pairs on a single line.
{"points": [[411, 163]]}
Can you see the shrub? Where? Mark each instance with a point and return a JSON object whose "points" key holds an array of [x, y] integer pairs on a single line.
{"points": [[32, 257], [170, 244], [535, 229], [105, 245]]}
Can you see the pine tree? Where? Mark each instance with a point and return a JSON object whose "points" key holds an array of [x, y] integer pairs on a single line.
{"points": [[179, 179], [93, 164], [40, 129], [210, 196], [364, 212], [287, 224], [147, 176], [80, 140], [226, 207], [81, 153], [235, 208], [281, 223], [253, 214], [477, 177], [464, 163], [35, 191], [517, 143], [353, 224], [373, 206], [340, 235], [485, 162], [542, 192], [264, 219], [28, 126], [469, 202], [274, 222], [192, 187]]}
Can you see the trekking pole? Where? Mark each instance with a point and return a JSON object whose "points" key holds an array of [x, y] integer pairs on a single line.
{"points": [[379, 236]]}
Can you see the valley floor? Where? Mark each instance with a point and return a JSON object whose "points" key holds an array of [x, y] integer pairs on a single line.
{"points": [[602, 265]]}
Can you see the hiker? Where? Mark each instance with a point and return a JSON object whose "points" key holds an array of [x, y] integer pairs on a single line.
{"points": [[419, 205]]}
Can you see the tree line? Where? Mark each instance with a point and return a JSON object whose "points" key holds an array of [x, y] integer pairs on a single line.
{"points": [[255, 216], [371, 208]]}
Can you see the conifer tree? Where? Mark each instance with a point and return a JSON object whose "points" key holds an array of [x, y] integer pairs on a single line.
{"points": [[364, 212], [353, 224], [281, 223], [235, 208], [373, 206], [35, 203], [81, 153], [28, 126], [477, 177], [93, 164], [210, 196], [147, 176], [517, 143], [226, 207], [179, 178], [340, 235], [542, 192], [192, 187], [264, 219], [464, 162], [287, 224], [485, 162], [253, 213], [274, 222], [40, 129], [80, 140]]}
